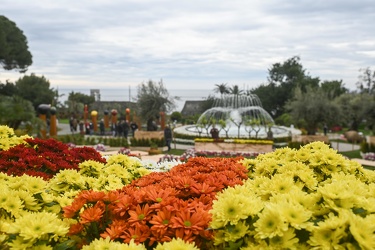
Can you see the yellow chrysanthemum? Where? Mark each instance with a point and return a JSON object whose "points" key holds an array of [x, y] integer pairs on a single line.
{"points": [[90, 168], [286, 241], [64, 201], [363, 231], [267, 167], [235, 232], [33, 185], [295, 214], [270, 223], [230, 210], [118, 170], [107, 244], [113, 182], [13, 205], [9, 139], [66, 180], [29, 201], [328, 233], [34, 227], [280, 184], [342, 193], [176, 244]]}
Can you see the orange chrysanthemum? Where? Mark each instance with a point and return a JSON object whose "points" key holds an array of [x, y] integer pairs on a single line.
{"points": [[72, 210], [138, 233], [161, 221], [75, 229], [92, 196], [92, 214], [140, 215], [115, 230], [191, 222], [121, 207]]}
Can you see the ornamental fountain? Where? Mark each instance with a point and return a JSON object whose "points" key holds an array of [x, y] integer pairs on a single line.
{"points": [[237, 116]]}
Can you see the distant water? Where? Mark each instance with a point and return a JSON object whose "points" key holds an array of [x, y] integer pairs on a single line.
{"points": [[125, 94]]}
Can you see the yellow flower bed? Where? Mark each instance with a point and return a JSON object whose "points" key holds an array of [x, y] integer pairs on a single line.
{"points": [[9, 139], [237, 141], [311, 198]]}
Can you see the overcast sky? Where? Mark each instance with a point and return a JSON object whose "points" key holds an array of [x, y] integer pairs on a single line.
{"points": [[191, 44]]}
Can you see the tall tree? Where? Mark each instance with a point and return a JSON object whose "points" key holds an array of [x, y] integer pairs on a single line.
{"points": [[14, 110], [76, 102], [35, 89], [356, 108], [283, 79], [153, 98], [366, 81], [8, 89], [221, 88], [14, 51], [334, 88], [312, 109]]}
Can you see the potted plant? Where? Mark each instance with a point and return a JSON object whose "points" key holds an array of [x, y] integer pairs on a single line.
{"points": [[154, 150]]}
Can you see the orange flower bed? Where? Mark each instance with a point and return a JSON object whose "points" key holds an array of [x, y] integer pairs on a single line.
{"points": [[157, 207]]}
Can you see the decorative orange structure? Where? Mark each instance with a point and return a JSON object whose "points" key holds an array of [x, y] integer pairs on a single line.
{"points": [[114, 116], [53, 123], [106, 118], [85, 114], [127, 114], [94, 116], [162, 120]]}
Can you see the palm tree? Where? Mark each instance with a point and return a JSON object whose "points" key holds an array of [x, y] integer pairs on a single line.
{"points": [[235, 90], [221, 88]]}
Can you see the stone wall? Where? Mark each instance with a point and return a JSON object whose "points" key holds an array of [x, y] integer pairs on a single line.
{"points": [[149, 135]]}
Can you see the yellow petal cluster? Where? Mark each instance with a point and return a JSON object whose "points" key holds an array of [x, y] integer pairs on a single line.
{"points": [[311, 198]]}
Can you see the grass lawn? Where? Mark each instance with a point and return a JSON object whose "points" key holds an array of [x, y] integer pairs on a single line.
{"points": [[175, 152], [352, 154]]}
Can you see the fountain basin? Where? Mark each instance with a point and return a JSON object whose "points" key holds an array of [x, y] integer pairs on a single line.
{"points": [[237, 145]]}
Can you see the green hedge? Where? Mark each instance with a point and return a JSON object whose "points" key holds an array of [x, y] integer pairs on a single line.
{"points": [[366, 147]]}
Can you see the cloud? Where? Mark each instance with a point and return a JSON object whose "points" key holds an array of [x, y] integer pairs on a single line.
{"points": [[194, 44]]}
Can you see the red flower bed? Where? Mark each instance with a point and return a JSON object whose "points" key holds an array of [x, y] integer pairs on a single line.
{"points": [[159, 206], [44, 158]]}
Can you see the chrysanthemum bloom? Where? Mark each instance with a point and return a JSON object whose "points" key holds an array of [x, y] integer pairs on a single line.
{"points": [[176, 244], [287, 241], [92, 214], [115, 229], [229, 209], [189, 224], [363, 230], [295, 214], [36, 227], [270, 223], [90, 168], [112, 245], [140, 215], [328, 233], [139, 233]]}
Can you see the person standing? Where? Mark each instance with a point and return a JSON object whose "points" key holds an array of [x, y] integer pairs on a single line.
{"points": [[101, 126], [126, 128], [168, 137], [214, 132], [133, 127]]}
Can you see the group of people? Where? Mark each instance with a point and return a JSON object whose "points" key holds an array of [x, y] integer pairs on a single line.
{"points": [[122, 128], [119, 129]]}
